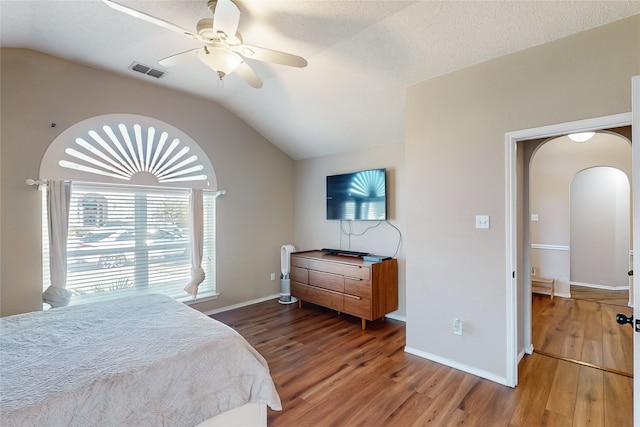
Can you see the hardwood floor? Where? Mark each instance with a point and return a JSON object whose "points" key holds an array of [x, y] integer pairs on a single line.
{"points": [[329, 372], [583, 330], [620, 298]]}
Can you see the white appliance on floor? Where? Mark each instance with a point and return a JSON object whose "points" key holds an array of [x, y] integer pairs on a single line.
{"points": [[285, 282]]}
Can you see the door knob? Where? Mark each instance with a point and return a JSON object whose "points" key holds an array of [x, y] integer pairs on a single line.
{"points": [[623, 320]]}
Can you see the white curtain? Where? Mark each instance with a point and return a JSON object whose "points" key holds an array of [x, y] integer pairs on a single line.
{"points": [[58, 198], [196, 229]]}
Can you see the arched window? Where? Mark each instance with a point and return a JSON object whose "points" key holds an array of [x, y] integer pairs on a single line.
{"points": [[142, 209]]}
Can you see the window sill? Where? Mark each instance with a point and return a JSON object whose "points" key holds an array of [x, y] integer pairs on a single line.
{"points": [[203, 297]]}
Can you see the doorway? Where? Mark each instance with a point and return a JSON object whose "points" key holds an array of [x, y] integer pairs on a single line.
{"points": [[519, 300], [600, 232], [577, 215], [579, 197]]}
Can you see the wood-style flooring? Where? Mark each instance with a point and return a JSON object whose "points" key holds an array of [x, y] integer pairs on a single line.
{"points": [[329, 372], [583, 330], [620, 298]]}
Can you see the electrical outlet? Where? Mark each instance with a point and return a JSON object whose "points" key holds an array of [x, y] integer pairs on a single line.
{"points": [[273, 276], [457, 326], [482, 221], [533, 271]]}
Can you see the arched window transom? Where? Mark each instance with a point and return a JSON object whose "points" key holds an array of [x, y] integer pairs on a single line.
{"points": [[127, 148]]}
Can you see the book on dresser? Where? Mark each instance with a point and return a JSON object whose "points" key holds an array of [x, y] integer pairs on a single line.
{"points": [[347, 284]]}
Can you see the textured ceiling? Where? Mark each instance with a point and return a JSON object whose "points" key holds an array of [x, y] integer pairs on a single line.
{"points": [[362, 54]]}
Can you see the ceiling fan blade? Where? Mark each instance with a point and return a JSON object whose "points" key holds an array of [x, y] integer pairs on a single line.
{"points": [[245, 72], [269, 55], [152, 19], [226, 17], [179, 58]]}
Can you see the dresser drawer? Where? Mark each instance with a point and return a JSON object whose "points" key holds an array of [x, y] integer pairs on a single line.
{"points": [[357, 271], [317, 296], [299, 274], [358, 287], [357, 306], [297, 261], [332, 282]]}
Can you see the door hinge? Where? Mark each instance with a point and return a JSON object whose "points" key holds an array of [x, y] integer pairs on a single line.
{"points": [[637, 327]]}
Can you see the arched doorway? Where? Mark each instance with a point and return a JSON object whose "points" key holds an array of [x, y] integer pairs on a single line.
{"points": [[600, 229], [554, 164]]}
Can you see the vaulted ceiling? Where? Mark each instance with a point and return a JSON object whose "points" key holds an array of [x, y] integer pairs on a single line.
{"points": [[362, 55]]}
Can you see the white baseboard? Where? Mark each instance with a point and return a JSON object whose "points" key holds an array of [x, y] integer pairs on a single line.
{"points": [[240, 305], [395, 316], [521, 355], [459, 366], [392, 315], [529, 350]]}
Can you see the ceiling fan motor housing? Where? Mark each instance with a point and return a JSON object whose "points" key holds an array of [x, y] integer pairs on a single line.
{"points": [[205, 29]]}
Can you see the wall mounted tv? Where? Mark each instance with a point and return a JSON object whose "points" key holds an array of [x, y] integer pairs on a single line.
{"points": [[357, 196]]}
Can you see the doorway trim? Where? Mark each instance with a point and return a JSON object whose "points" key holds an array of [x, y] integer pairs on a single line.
{"points": [[514, 353]]}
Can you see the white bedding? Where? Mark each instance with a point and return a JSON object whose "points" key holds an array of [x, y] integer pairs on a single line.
{"points": [[143, 361]]}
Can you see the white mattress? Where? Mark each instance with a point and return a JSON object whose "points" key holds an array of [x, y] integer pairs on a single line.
{"points": [[142, 361]]}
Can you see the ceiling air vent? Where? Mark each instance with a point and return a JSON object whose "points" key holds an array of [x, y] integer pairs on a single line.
{"points": [[153, 72]]}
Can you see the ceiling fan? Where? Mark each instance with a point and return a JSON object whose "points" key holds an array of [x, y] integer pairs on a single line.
{"points": [[223, 50]]}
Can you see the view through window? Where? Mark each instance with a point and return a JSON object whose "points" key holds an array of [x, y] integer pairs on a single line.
{"points": [[126, 240]]}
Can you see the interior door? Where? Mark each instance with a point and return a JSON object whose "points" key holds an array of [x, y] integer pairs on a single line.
{"points": [[635, 143]]}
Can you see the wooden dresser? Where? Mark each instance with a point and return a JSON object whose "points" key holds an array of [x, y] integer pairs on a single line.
{"points": [[346, 284]]}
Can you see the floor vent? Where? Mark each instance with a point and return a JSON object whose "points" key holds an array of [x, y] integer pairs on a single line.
{"points": [[153, 72]]}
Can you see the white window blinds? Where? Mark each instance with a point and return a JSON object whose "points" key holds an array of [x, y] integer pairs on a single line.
{"points": [[126, 240]]}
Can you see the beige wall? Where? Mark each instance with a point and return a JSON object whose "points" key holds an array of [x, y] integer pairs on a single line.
{"points": [[455, 159], [253, 219], [313, 231]]}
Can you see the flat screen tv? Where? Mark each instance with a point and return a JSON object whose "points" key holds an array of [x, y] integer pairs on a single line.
{"points": [[357, 196]]}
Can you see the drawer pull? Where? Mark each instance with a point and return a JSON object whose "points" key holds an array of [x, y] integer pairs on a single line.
{"points": [[326, 290], [352, 296]]}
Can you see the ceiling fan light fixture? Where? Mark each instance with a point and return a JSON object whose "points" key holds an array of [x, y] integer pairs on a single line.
{"points": [[221, 60], [581, 136]]}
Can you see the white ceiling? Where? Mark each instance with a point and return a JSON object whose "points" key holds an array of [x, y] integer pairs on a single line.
{"points": [[362, 54]]}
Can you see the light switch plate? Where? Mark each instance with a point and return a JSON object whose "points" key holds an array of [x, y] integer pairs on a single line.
{"points": [[457, 327], [482, 221]]}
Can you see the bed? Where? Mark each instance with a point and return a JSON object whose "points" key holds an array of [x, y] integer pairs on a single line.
{"points": [[139, 361]]}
